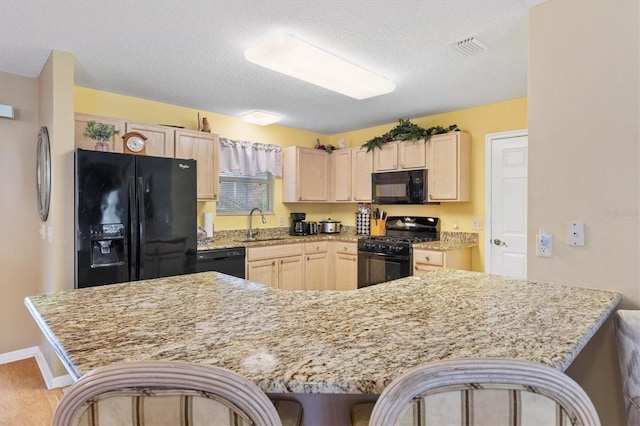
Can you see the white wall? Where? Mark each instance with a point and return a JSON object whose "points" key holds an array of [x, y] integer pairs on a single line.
{"points": [[584, 133]]}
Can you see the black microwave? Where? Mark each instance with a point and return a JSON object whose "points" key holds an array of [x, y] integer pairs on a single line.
{"points": [[402, 187]]}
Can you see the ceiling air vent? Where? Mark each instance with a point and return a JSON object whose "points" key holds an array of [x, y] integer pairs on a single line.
{"points": [[469, 46]]}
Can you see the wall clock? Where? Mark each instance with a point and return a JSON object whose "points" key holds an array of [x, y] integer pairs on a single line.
{"points": [[43, 173], [135, 143]]}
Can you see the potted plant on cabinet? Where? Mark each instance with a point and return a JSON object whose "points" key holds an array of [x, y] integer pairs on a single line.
{"points": [[101, 133], [407, 131]]}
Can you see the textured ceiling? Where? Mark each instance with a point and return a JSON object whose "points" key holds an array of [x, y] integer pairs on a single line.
{"points": [[191, 53]]}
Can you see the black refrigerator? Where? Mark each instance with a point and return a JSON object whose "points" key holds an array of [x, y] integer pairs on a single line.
{"points": [[135, 217]]}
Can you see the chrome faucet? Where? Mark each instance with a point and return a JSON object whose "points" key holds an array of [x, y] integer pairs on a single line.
{"points": [[250, 235]]}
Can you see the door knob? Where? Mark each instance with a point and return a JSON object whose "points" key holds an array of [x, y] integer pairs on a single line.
{"points": [[499, 243]]}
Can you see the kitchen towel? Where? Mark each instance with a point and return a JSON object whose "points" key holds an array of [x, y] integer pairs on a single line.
{"points": [[208, 224]]}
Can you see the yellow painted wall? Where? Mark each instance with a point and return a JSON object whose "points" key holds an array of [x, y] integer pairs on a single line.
{"points": [[477, 121], [107, 104]]}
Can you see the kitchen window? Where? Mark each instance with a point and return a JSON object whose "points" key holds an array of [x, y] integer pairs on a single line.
{"points": [[240, 193], [247, 171]]}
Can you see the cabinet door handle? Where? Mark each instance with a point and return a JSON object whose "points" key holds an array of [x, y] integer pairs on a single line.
{"points": [[273, 263], [427, 258]]}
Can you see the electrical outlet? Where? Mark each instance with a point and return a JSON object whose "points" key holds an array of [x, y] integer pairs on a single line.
{"points": [[281, 221], [476, 224], [544, 245]]}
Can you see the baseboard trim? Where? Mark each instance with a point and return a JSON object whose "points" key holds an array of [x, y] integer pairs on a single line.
{"points": [[35, 352]]}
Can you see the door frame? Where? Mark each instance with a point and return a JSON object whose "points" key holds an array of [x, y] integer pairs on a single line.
{"points": [[489, 139]]}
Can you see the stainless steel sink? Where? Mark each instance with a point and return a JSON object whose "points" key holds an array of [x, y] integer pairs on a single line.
{"points": [[257, 240]]}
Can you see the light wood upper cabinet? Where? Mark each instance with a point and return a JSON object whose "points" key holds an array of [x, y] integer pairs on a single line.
{"points": [[313, 175], [385, 159], [413, 154], [400, 155], [305, 174], [450, 167], [160, 139], [340, 176], [90, 144], [361, 169], [204, 148]]}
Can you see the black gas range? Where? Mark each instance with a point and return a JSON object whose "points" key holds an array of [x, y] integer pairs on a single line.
{"points": [[389, 257]]}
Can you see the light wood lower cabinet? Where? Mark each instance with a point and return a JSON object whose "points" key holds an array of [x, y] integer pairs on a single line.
{"points": [[317, 265], [314, 265], [428, 260], [345, 265], [284, 271]]}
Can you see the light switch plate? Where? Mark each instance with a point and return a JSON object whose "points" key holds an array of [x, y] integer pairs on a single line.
{"points": [[575, 233]]}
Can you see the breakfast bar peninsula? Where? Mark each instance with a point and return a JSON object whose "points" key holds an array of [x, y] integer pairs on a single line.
{"points": [[306, 343]]}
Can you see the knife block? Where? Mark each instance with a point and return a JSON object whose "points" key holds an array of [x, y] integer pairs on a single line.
{"points": [[377, 227]]}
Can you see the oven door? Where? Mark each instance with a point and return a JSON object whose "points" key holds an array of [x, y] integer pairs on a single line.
{"points": [[376, 268]]}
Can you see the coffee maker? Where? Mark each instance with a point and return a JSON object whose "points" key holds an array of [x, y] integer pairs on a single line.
{"points": [[298, 225]]}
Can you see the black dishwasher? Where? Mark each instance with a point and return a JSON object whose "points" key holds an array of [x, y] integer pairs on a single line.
{"points": [[229, 261]]}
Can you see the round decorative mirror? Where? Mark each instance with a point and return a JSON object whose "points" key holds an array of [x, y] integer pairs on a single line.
{"points": [[43, 173]]}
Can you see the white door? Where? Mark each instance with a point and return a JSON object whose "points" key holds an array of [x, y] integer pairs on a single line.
{"points": [[506, 233]]}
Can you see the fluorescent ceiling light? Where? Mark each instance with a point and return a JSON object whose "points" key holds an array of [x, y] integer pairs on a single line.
{"points": [[291, 56], [261, 118]]}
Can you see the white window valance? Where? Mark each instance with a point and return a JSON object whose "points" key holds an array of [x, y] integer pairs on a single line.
{"points": [[250, 158]]}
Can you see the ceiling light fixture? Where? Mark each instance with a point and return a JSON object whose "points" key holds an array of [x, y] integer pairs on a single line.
{"points": [[261, 118], [293, 57]]}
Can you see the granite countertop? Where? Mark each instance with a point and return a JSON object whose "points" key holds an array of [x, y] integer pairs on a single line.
{"points": [[276, 236], [349, 342]]}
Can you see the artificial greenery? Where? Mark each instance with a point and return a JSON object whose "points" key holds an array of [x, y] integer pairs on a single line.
{"points": [[100, 131], [406, 131], [329, 148]]}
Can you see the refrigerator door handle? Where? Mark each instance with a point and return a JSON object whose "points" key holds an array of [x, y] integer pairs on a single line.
{"points": [[141, 232], [133, 233]]}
